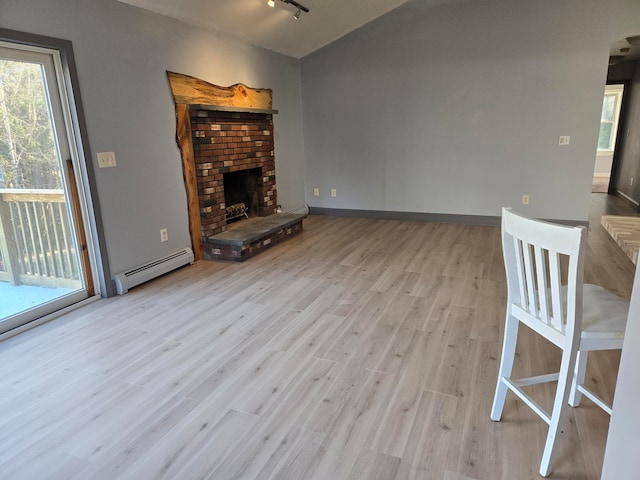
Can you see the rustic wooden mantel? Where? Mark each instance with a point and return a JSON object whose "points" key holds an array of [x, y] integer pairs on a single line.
{"points": [[189, 92]]}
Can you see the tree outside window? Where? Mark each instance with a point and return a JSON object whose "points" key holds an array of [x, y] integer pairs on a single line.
{"points": [[27, 150]]}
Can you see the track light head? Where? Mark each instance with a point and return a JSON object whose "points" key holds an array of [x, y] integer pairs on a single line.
{"points": [[297, 14]]}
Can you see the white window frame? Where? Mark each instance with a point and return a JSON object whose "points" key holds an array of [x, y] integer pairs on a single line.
{"points": [[617, 91]]}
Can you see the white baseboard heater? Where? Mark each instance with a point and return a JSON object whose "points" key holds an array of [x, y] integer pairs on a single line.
{"points": [[144, 273]]}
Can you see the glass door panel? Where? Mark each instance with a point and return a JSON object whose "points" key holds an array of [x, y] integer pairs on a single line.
{"points": [[40, 266]]}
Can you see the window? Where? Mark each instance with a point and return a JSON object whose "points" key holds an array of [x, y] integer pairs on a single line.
{"points": [[609, 118]]}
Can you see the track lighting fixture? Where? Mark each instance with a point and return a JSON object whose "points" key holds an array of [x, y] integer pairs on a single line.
{"points": [[297, 5], [301, 8]]}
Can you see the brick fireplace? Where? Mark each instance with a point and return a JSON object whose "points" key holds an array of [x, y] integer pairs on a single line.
{"points": [[231, 142], [225, 137]]}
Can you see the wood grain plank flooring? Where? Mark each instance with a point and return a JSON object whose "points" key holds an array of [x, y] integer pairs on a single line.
{"points": [[360, 349]]}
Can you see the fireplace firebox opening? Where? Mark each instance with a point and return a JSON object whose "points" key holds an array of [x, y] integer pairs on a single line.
{"points": [[241, 192]]}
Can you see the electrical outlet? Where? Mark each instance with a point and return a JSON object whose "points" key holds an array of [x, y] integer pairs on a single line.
{"points": [[164, 235], [564, 140], [334, 193], [525, 199], [106, 159], [316, 192]]}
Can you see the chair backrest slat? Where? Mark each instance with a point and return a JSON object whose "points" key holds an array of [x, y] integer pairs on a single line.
{"points": [[543, 287], [530, 279], [558, 315], [518, 265], [533, 250]]}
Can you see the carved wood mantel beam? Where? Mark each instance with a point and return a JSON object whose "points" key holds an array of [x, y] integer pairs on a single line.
{"points": [[193, 91]]}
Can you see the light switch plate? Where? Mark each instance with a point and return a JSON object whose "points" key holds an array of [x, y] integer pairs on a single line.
{"points": [[564, 140], [106, 159]]}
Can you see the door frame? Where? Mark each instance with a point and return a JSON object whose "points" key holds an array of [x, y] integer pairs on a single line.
{"points": [[620, 135], [84, 170]]}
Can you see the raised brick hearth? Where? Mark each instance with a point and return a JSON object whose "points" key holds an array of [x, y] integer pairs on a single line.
{"points": [[230, 142], [245, 239]]}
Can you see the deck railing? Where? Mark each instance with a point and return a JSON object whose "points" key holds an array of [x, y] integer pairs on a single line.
{"points": [[36, 244]]}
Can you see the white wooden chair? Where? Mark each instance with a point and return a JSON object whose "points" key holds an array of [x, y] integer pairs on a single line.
{"points": [[577, 318]]}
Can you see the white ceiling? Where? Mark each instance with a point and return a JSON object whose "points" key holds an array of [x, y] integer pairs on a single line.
{"points": [[254, 22]]}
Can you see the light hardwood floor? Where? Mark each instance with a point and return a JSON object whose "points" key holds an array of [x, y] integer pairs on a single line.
{"points": [[362, 349]]}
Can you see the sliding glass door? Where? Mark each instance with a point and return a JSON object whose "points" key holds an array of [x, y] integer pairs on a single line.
{"points": [[43, 256]]}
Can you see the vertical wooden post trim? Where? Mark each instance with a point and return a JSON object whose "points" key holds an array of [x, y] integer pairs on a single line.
{"points": [[8, 245], [183, 134], [85, 262]]}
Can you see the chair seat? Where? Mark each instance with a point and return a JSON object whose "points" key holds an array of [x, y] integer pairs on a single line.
{"points": [[604, 314]]}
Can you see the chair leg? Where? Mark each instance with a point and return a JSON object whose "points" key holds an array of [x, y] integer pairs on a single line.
{"points": [[506, 365], [578, 378], [559, 410]]}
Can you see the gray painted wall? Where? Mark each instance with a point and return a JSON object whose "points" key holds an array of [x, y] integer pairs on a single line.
{"points": [[456, 107], [629, 144], [122, 54]]}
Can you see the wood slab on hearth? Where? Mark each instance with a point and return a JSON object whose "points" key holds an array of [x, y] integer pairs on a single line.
{"points": [[244, 239]]}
